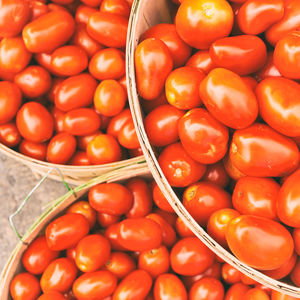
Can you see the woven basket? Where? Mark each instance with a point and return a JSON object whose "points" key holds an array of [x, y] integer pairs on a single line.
{"points": [[75, 175], [14, 264], [145, 14]]}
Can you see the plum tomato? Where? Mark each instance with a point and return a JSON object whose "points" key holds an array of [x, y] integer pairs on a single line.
{"points": [[33, 150], [83, 13], [52, 295], [160, 200], [280, 296], [117, 7], [79, 158], [84, 208], [230, 274], [117, 122], [202, 61], [127, 136], [217, 174], [236, 291], [296, 237], [294, 275], [269, 69], [9, 135], [207, 288], [256, 293]]}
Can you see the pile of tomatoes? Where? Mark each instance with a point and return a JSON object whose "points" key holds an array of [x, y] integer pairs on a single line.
{"points": [[220, 90], [126, 243], [63, 96]]}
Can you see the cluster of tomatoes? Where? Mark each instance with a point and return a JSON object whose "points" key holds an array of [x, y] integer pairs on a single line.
{"points": [[126, 243], [63, 94], [220, 89]]}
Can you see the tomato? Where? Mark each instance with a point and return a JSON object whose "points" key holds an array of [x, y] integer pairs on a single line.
{"points": [[52, 295], [112, 234], [81, 121], [85, 209], [207, 288], [34, 122], [37, 9], [288, 23], [142, 201], [230, 274], [178, 167], [259, 242], [148, 106], [69, 60], [95, 285], [260, 151], [250, 82], [228, 98], [127, 136], [110, 98], [111, 198], [9, 135], [202, 136], [105, 220], [182, 88], [61, 148], [14, 15], [256, 294], [118, 7], [296, 237], [153, 63], [14, 56], [167, 33], [66, 231], [242, 54], [204, 198], [135, 285], [139, 234], [256, 196], [269, 70], [182, 229], [160, 200], [103, 149], [255, 16], [34, 81], [202, 61], [83, 141], [216, 174], [108, 29], [117, 122], [199, 23], [236, 291], [58, 116], [120, 264], [59, 275], [218, 222], [169, 287], [278, 104], [25, 286], [279, 296], [80, 158], [168, 216], [34, 150], [247, 280], [75, 92], [294, 275], [49, 31], [108, 63], [83, 14]]}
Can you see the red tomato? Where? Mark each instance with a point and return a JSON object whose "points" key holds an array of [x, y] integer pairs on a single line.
{"points": [[52, 295], [231, 170], [250, 82], [178, 167], [278, 104], [118, 7], [105, 220], [182, 88], [202, 61], [75, 92], [255, 16], [269, 70], [296, 237], [34, 81], [169, 217], [256, 196], [139, 234], [34, 150], [120, 264], [167, 33], [54, 89], [202, 136], [108, 29], [135, 285], [9, 135], [14, 56], [61, 148], [204, 198], [127, 136], [103, 149], [80, 158], [230, 274], [260, 151], [111, 198], [242, 54], [189, 256], [153, 63], [37, 9], [81, 121], [59, 275], [182, 228], [83, 14], [58, 25], [110, 98], [207, 288], [142, 200], [112, 233], [83, 141], [236, 291], [256, 294], [93, 3], [169, 287], [288, 23], [34, 122], [25, 286], [217, 224], [69, 60], [85, 209], [228, 98], [259, 242], [66, 231], [155, 261], [14, 15], [295, 274], [117, 122], [160, 200], [107, 64], [216, 174], [148, 106], [95, 285], [279, 296]]}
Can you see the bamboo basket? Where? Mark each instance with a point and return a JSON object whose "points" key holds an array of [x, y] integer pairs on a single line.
{"points": [[144, 15], [14, 263], [75, 175]]}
